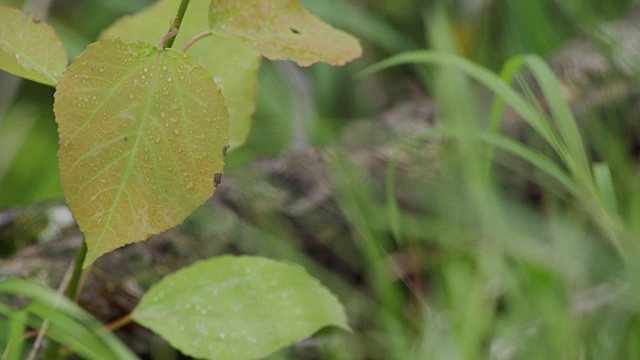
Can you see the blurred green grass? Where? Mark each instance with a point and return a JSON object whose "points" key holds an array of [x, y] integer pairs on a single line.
{"points": [[485, 274]]}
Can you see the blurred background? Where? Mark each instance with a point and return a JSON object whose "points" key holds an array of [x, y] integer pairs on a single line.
{"points": [[439, 246]]}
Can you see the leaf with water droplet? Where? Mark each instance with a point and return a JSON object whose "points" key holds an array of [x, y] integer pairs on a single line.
{"points": [[282, 30], [233, 66], [125, 191], [30, 48], [253, 305]]}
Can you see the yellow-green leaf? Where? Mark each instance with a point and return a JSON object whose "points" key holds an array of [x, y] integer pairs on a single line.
{"points": [[142, 134], [233, 66], [149, 25], [238, 308], [30, 48], [282, 30]]}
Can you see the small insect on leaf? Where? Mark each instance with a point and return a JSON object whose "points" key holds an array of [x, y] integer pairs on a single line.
{"points": [[217, 179]]}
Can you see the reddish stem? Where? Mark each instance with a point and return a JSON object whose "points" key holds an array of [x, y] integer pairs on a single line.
{"points": [[194, 39]]}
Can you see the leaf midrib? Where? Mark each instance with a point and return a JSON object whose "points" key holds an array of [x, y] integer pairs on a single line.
{"points": [[134, 151]]}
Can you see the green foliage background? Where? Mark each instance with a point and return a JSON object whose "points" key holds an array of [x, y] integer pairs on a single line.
{"points": [[502, 276]]}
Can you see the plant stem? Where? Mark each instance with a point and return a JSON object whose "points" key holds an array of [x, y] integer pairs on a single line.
{"points": [[175, 24], [117, 324], [77, 272], [194, 39]]}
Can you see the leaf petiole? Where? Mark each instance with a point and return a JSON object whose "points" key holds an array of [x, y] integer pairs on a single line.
{"points": [[164, 42], [196, 38]]}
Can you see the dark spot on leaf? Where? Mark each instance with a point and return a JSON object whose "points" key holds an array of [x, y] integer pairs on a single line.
{"points": [[36, 20], [224, 150], [217, 178], [294, 31], [125, 138]]}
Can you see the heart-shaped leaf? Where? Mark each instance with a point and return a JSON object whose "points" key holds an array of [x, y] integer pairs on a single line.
{"points": [[142, 136], [30, 48], [238, 308], [233, 66], [282, 30]]}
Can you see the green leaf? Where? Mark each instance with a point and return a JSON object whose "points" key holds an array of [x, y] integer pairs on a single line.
{"points": [[30, 48], [233, 66], [238, 308], [70, 324], [142, 135], [282, 30], [15, 341], [149, 25]]}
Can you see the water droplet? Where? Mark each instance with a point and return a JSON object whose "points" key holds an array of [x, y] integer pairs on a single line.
{"points": [[101, 70], [157, 140], [189, 187], [169, 79], [17, 56], [163, 115], [131, 96], [145, 69], [223, 335], [176, 132], [164, 67]]}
